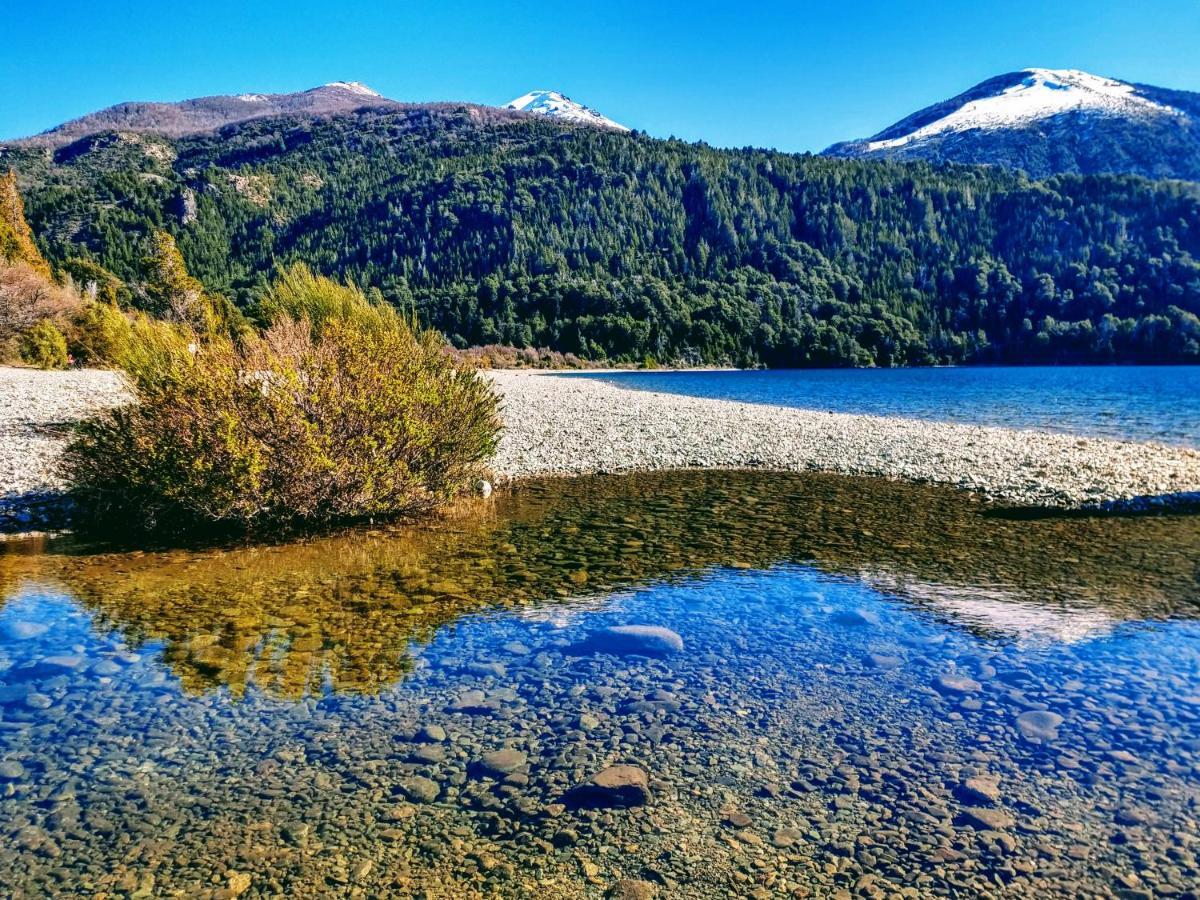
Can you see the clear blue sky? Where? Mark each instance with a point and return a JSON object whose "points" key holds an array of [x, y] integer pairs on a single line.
{"points": [[791, 75]]}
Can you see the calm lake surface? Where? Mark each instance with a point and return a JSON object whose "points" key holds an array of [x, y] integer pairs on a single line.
{"points": [[881, 686], [1150, 403]]}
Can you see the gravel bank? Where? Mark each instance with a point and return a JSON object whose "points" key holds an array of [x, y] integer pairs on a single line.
{"points": [[572, 425], [35, 407], [569, 425]]}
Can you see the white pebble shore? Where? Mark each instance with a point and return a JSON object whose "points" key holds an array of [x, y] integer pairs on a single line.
{"points": [[568, 425], [564, 424], [35, 407]]}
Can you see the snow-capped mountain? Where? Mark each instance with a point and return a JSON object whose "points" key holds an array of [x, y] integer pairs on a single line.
{"points": [[554, 105], [353, 87], [1048, 121], [211, 113]]}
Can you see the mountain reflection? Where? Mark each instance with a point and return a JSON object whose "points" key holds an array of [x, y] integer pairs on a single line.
{"points": [[343, 612]]}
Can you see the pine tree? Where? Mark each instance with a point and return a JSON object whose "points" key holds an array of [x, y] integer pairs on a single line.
{"points": [[170, 291]]}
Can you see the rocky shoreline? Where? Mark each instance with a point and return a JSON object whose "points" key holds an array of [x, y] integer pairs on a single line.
{"points": [[36, 410], [565, 424], [568, 425]]}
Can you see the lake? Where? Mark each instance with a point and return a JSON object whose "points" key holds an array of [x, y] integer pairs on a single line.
{"points": [[863, 686], [1148, 403]]}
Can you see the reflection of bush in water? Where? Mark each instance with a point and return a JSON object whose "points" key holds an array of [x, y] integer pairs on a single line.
{"points": [[341, 611]]}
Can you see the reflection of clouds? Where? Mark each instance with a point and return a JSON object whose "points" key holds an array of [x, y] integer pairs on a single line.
{"points": [[571, 610], [1002, 610], [343, 612]]}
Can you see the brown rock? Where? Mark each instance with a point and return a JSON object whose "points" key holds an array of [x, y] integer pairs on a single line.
{"points": [[616, 786], [987, 819], [632, 889], [980, 790], [499, 763]]}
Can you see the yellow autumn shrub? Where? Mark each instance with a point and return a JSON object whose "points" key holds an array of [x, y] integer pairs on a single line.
{"points": [[339, 409]]}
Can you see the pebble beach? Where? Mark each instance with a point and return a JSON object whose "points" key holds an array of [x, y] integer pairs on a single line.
{"points": [[567, 425], [571, 425]]}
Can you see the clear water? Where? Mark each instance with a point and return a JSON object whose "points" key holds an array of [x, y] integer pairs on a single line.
{"points": [[1150, 403], [855, 654]]}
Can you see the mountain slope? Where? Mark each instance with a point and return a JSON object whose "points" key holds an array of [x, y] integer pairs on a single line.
{"points": [[498, 227], [1051, 121], [554, 105], [212, 113]]}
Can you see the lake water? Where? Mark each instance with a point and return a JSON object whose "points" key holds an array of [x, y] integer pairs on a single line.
{"points": [[881, 687], [1150, 403]]}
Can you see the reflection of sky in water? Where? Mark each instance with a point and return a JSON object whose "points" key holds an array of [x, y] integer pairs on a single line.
{"points": [[812, 701]]}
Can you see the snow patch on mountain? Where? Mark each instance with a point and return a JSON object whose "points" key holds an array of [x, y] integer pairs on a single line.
{"points": [[1042, 93], [354, 87], [557, 106]]}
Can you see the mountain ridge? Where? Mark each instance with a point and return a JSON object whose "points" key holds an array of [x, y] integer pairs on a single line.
{"points": [[1048, 122], [201, 115], [197, 115]]}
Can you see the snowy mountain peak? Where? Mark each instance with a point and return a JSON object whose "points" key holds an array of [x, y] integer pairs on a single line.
{"points": [[557, 106], [1020, 99], [1047, 122], [354, 87]]}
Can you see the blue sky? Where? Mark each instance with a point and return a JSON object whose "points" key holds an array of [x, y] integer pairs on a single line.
{"points": [[796, 76]]}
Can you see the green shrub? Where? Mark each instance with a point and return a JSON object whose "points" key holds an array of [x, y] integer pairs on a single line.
{"points": [[349, 415], [44, 346], [100, 334]]}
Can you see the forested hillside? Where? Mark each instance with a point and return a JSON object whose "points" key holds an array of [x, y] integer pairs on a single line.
{"points": [[503, 230]]}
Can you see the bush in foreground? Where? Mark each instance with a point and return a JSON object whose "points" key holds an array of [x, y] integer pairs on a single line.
{"points": [[338, 410]]}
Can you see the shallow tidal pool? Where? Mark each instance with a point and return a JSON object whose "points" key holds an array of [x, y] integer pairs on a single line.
{"points": [[848, 687]]}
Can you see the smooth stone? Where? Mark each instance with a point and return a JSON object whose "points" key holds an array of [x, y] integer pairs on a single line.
{"points": [[11, 770], [786, 837], [485, 669], [431, 734], [642, 640], [632, 889], [987, 819], [884, 661], [420, 789], [616, 786], [956, 684], [430, 753], [1039, 725], [475, 703], [499, 763]]}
